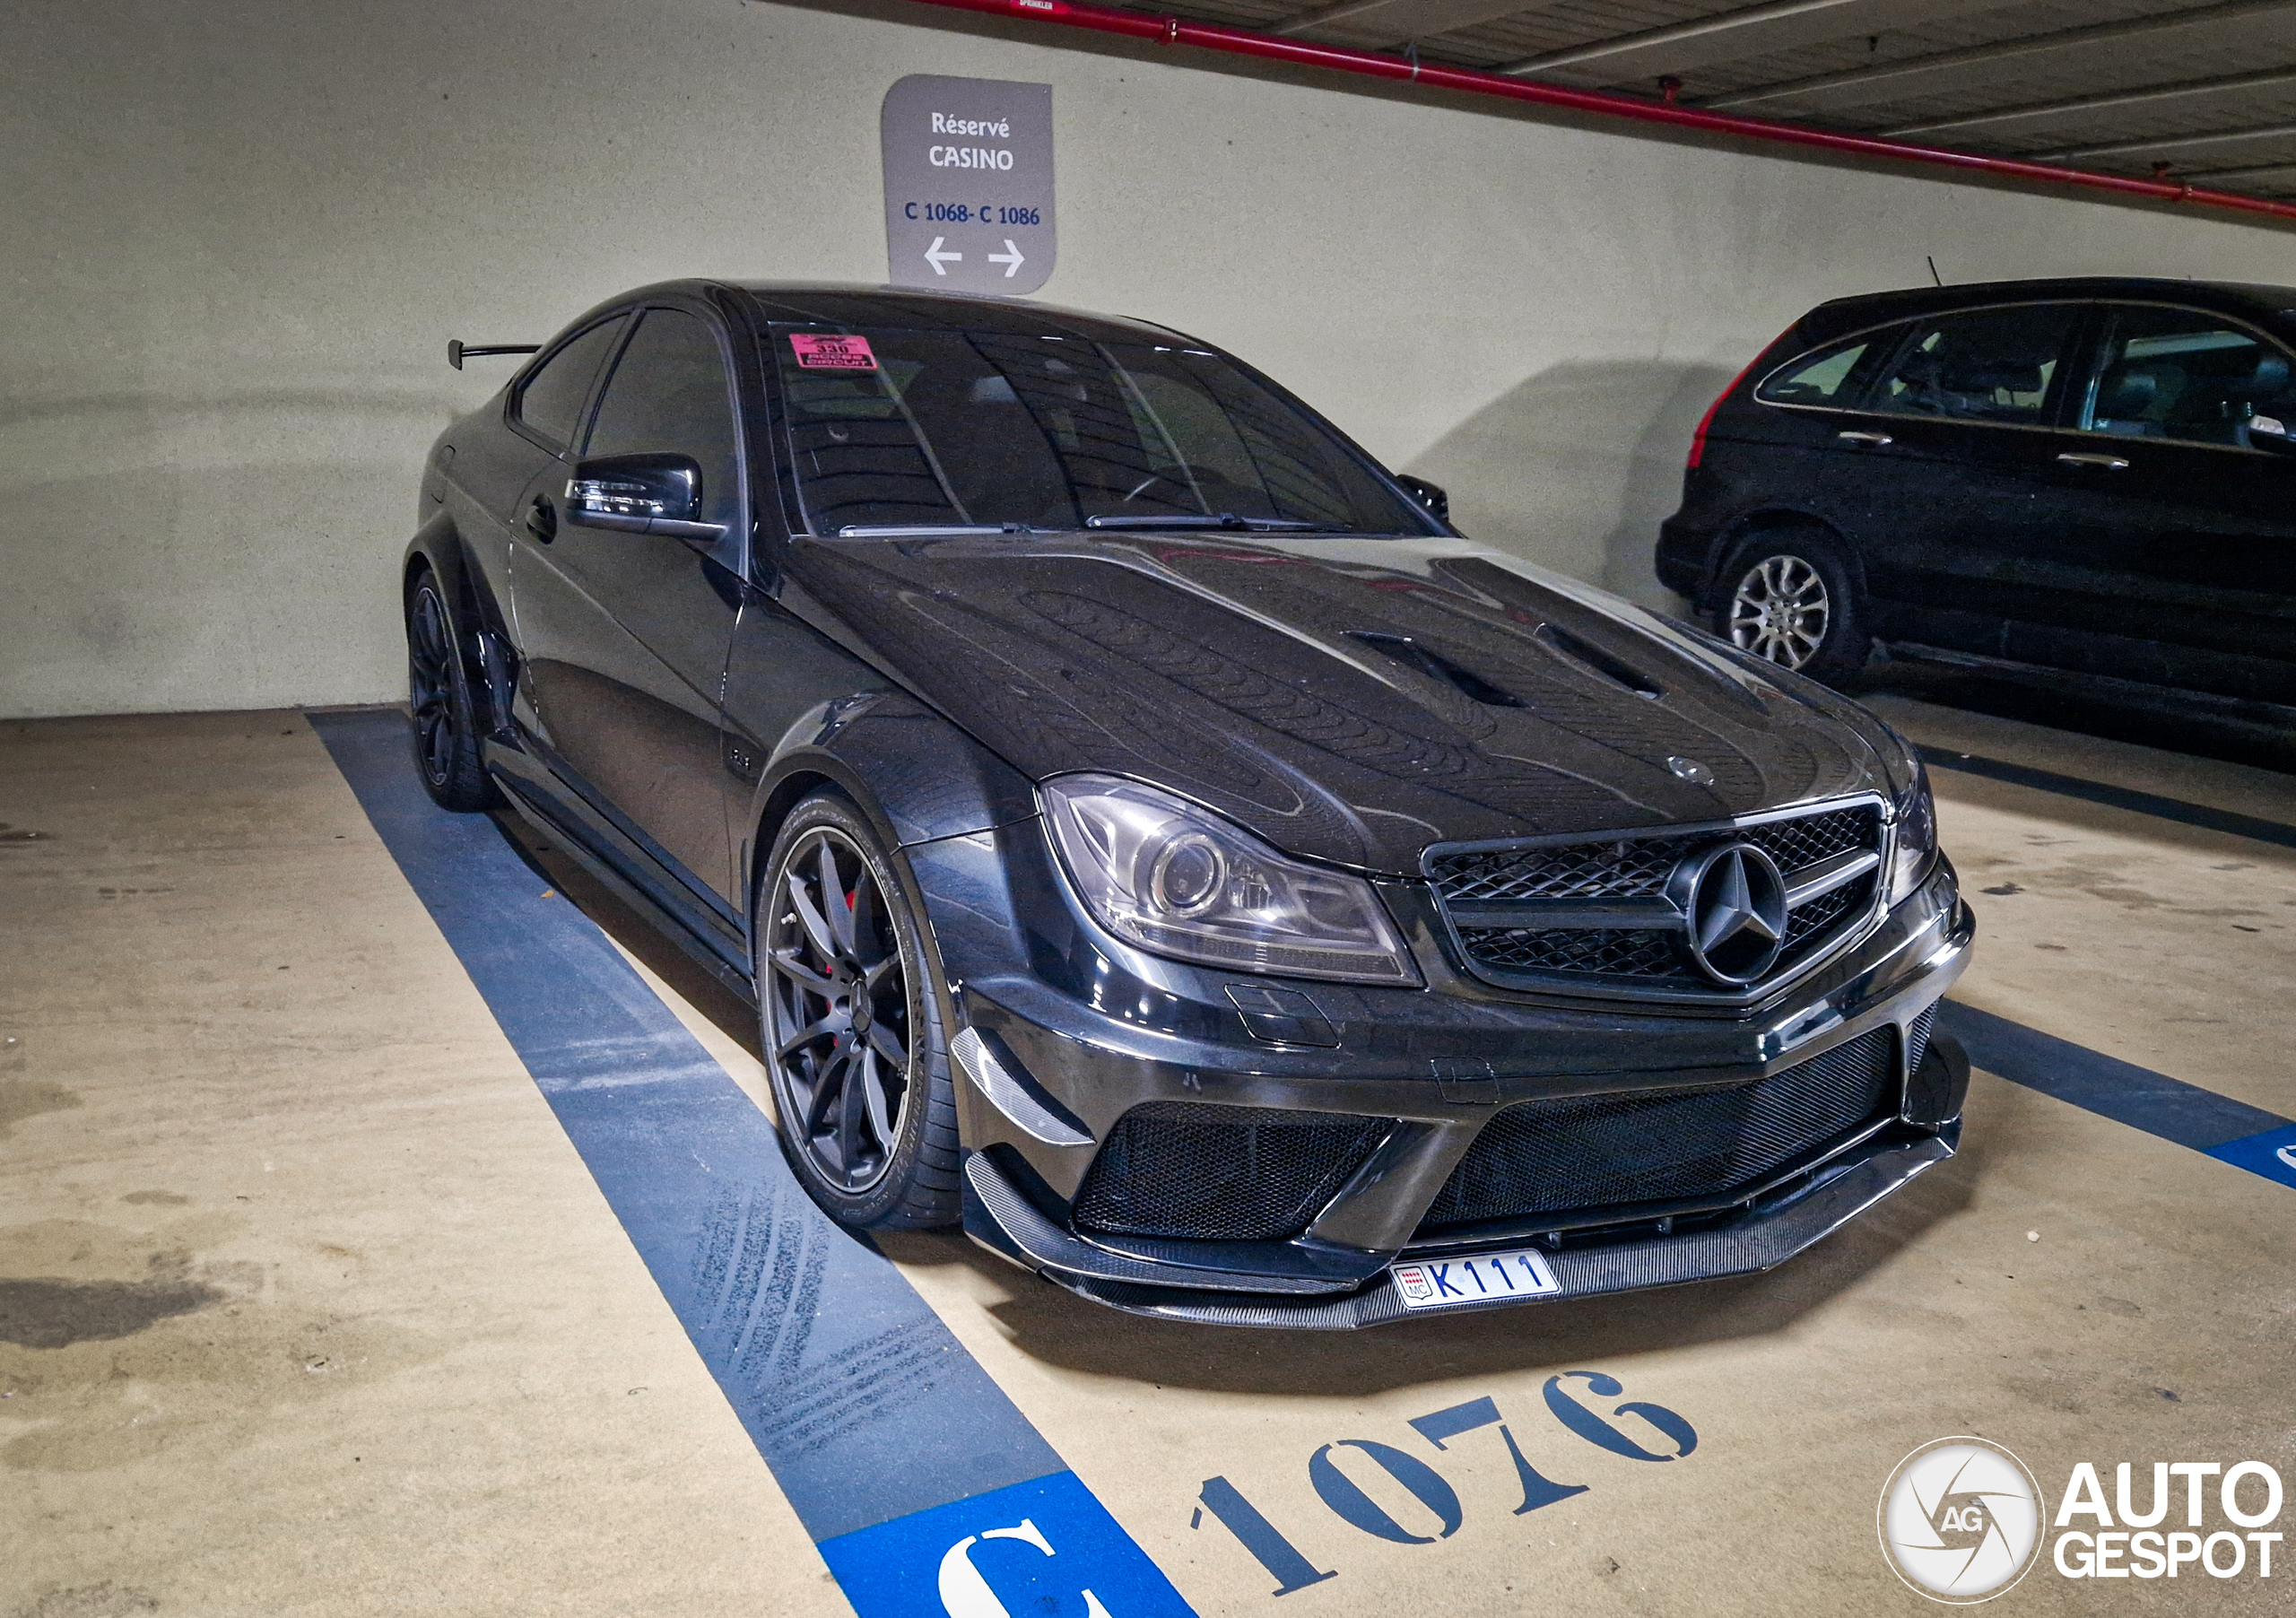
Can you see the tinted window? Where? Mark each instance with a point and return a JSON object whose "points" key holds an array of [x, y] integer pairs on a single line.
{"points": [[1824, 378], [550, 401], [670, 394], [1988, 365], [2168, 373], [976, 428]]}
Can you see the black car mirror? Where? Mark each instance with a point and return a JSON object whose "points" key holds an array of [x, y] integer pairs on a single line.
{"points": [[2269, 433], [1429, 495], [640, 494]]}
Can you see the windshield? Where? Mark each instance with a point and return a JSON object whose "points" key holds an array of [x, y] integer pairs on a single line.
{"points": [[914, 429]]}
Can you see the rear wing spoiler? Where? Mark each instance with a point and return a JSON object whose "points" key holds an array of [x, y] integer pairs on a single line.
{"points": [[458, 351]]}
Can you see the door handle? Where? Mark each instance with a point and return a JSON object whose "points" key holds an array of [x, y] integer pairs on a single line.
{"points": [[1874, 440], [541, 520], [2110, 462]]}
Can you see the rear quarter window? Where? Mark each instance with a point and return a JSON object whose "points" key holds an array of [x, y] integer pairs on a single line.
{"points": [[1833, 376], [549, 400]]}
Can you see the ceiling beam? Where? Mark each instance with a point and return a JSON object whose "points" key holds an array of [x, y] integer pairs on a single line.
{"points": [[1391, 22], [2246, 171], [2168, 143], [2111, 101], [1894, 73], [1751, 31]]}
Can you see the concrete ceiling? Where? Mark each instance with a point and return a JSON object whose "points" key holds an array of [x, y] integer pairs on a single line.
{"points": [[2198, 90]]}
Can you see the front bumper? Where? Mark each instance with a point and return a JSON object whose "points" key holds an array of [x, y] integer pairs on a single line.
{"points": [[1773, 1230], [1067, 1030]]}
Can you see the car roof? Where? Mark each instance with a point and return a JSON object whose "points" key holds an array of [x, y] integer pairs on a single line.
{"points": [[2275, 305], [829, 303]]}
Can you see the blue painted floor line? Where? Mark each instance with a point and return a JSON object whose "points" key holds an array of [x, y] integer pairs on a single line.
{"points": [[880, 1427], [2231, 1132], [2119, 797]]}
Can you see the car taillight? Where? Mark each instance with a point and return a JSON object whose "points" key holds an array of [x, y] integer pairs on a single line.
{"points": [[1698, 439]]}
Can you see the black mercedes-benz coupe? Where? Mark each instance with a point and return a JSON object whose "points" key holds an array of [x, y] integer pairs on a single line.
{"points": [[1154, 838]]}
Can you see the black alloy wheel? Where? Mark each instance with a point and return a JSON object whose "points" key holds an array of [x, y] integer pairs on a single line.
{"points": [[1789, 598], [852, 1037], [439, 701]]}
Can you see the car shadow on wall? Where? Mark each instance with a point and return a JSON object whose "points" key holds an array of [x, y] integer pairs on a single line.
{"points": [[1574, 467]]}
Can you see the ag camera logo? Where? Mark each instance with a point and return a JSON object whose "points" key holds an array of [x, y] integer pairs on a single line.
{"points": [[1961, 1520]]}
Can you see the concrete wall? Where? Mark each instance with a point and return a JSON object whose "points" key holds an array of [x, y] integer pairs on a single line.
{"points": [[235, 235]]}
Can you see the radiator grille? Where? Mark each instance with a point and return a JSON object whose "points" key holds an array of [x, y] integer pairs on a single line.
{"points": [[1575, 1154], [1917, 1039], [1199, 1170], [1607, 952], [1638, 868]]}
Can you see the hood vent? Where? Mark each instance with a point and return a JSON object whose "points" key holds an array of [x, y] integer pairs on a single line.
{"points": [[1408, 652], [1600, 662]]}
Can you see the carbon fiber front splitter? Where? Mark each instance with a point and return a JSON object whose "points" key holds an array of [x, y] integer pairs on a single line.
{"points": [[1772, 1231]]}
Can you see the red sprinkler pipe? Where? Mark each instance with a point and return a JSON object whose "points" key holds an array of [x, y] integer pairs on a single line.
{"points": [[1378, 65]]}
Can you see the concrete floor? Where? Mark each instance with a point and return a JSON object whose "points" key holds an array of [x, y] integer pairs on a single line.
{"points": [[307, 1306]]}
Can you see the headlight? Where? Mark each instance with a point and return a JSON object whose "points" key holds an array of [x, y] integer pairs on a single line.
{"points": [[1916, 836], [1162, 874]]}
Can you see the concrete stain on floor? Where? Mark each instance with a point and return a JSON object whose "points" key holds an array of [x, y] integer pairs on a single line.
{"points": [[45, 1312], [21, 1099], [104, 1600]]}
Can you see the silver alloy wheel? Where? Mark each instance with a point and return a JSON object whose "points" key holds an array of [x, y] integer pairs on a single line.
{"points": [[837, 1010], [1781, 610]]}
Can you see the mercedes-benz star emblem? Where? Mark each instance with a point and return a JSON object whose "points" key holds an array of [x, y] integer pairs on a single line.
{"points": [[1735, 900]]}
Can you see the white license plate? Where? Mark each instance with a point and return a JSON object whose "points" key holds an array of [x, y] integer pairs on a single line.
{"points": [[1484, 1278]]}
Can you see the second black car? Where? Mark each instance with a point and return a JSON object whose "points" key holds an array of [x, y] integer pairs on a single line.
{"points": [[2093, 476]]}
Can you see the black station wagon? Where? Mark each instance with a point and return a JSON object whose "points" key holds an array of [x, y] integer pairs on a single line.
{"points": [[1154, 838], [2093, 476]]}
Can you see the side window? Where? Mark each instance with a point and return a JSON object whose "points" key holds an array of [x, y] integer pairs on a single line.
{"points": [[1988, 365], [549, 401], [670, 394], [2164, 373], [1828, 376]]}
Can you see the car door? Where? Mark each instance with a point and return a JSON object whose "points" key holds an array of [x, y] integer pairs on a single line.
{"points": [[625, 632], [1955, 439], [2177, 544], [493, 473]]}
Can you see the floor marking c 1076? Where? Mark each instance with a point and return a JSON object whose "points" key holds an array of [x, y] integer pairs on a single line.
{"points": [[1293, 1570]]}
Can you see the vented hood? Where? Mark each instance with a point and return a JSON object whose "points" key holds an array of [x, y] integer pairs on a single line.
{"points": [[1348, 700]]}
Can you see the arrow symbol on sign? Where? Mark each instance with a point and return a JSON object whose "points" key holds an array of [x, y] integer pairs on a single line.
{"points": [[1009, 258], [935, 256]]}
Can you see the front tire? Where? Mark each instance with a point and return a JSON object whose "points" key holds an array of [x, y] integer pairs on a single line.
{"points": [[438, 702], [852, 1033]]}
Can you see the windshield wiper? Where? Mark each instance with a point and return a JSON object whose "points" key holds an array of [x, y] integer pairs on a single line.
{"points": [[911, 530], [1224, 519]]}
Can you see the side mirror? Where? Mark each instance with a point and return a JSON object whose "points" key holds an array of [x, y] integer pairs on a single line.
{"points": [[1427, 494], [2269, 433], [640, 494]]}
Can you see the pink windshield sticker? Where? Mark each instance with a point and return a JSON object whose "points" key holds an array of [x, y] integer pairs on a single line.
{"points": [[839, 352]]}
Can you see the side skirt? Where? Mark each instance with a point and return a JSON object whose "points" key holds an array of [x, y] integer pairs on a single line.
{"points": [[700, 936]]}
